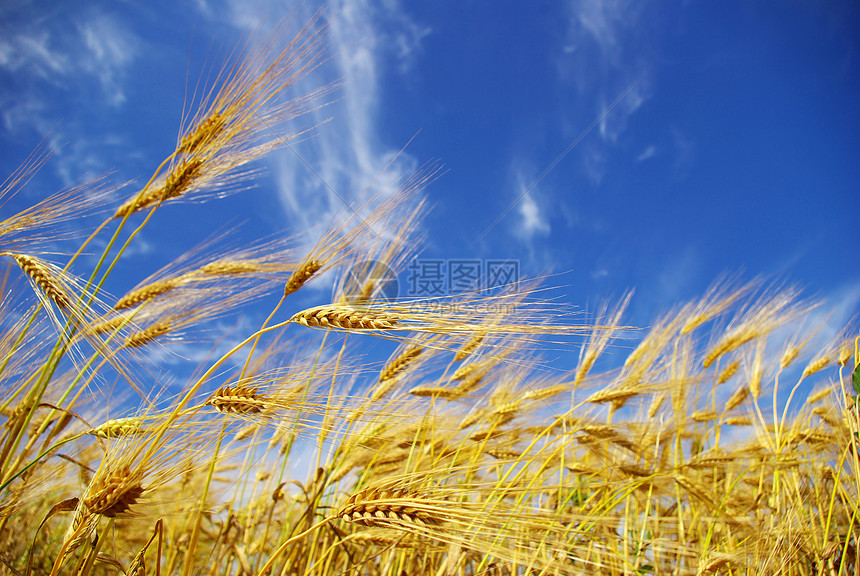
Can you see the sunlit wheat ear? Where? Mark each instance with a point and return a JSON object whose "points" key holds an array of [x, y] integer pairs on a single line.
{"points": [[726, 373], [238, 399], [113, 491], [475, 378], [738, 421], [719, 563], [149, 334], [145, 293], [118, 428], [137, 567], [177, 182], [547, 391], [719, 298], [446, 393], [790, 355], [81, 530], [35, 226], [231, 267], [181, 314], [405, 361], [45, 277], [817, 365], [202, 134], [304, 273], [837, 352], [737, 398], [388, 508], [704, 416], [467, 369], [469, 347], [345, 318], [109, 323], [758, 320], [399, 363], [828, 414], [617, 395], [819, 395], [754, 366], [235, 122], [656, 403], [600, 337]]}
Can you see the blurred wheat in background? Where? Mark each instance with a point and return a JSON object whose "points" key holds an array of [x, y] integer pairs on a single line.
{"points": [[466, 452]]}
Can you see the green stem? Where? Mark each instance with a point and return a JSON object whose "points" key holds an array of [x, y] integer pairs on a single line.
{"points": [[36, 460]]}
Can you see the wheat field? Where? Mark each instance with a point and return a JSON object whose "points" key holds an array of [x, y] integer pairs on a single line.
{"points": [[287, 451]]}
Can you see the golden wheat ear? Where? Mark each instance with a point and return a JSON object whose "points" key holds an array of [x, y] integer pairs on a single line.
{"points": [[303, 273], [45, 278], [236, 119], [60, 292], [239, 399], [114, 492], [343, 317]]}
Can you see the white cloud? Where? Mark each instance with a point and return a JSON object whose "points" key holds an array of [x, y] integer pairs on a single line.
{"points": [[72, 56], [649, 152], [405, 34], [606, 58], [32, 52], [345, 162], [603, 22], [60, 50], [111, 48], [533, 221]]}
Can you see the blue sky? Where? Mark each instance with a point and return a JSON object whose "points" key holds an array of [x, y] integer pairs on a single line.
{"points": [[616, 145]]}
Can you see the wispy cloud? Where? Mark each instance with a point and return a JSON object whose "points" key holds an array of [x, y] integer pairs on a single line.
{"points": [[601, 41], [59, 52], [648, 152], [605, 54], [111, 48], [345, 161], [73, 56], [33, 53], [533, 221]]}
